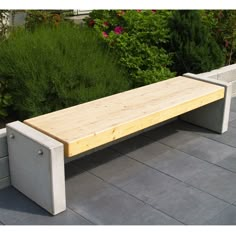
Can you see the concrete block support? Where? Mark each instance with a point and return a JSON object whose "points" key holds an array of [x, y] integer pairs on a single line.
{"points": [[4, 167], [3, 143], [4, 161], [37, 166], [214, 116]]}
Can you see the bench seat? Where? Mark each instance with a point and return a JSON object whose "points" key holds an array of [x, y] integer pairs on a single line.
{"points": [[92, 124]]}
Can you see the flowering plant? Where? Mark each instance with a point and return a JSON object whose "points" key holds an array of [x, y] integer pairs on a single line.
{"points": [[137, 38]]}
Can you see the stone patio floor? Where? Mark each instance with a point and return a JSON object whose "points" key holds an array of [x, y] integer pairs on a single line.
{"points": [[172, 175]]}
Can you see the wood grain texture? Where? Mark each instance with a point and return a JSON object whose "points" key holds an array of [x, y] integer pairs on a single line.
{"points": [[95, 123]]}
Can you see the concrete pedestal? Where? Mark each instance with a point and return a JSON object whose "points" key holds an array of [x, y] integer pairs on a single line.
{"points": [[214, 116], [37, 166]]}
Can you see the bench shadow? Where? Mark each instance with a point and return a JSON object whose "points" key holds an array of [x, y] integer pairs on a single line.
{"points": [[110, 153], [12, 200]]}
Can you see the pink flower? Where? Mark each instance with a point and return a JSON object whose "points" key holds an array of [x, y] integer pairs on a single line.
{"points": [[139, 10], [105, 23], [118, 30], [105, 35], [91, 23]]}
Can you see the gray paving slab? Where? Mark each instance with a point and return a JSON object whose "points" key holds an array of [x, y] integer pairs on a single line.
{"points": [[16, 209], [233, 105], [180, 132], [163, 158], [95, 159], [233, 123], [146, 150], [207, 149], [168, 130], [148, 184], [216, 181], [228, 138], [65, 218], [229, 163], [184, 139], [232, 116], [197, 146], [102, 203], [117, 171], [225, 217], [188, 204], [182, 169], [174, 139]]}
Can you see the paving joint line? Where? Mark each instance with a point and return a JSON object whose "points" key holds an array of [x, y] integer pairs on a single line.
{"points": [[215, 164], [195, 134], [140, 200], [81, 216], [177, 179]]}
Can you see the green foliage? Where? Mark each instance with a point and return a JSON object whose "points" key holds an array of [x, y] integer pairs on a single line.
{"points": [[36, 18], [195, 50], [53, 68], [5, 98], [137, 38], [222, 25], [4, 20]]}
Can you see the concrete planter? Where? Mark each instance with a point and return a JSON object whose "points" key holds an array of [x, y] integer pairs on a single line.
{"points": [[226, 73]]}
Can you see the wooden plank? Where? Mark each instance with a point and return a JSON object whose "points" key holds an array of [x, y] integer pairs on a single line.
{"points": [[95, 123]]}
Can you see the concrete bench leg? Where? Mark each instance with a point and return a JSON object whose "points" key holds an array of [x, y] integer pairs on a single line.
{"points": [[214, 116], [37, 166], [4, 167]]}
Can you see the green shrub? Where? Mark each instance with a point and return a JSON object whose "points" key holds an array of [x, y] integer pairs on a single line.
{"points": [[137, 38], [222, 25], [5, 98], [36, 18], [192, 45], [53, 68]]}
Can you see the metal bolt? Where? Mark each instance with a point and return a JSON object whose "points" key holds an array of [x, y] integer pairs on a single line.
{"points": [[12, 136], [40, 152]]}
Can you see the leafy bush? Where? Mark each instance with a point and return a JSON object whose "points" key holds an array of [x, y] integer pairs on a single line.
{"points": [[137, 38], [36, 18], [53, 68], [5, 98], [194, 49], [222, 25]]}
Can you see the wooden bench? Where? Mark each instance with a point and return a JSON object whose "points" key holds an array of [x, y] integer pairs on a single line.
{"points": [[90, 125], [86, 126]]}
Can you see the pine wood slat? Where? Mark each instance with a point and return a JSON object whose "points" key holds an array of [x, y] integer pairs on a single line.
{"points": [[95, 123]]}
